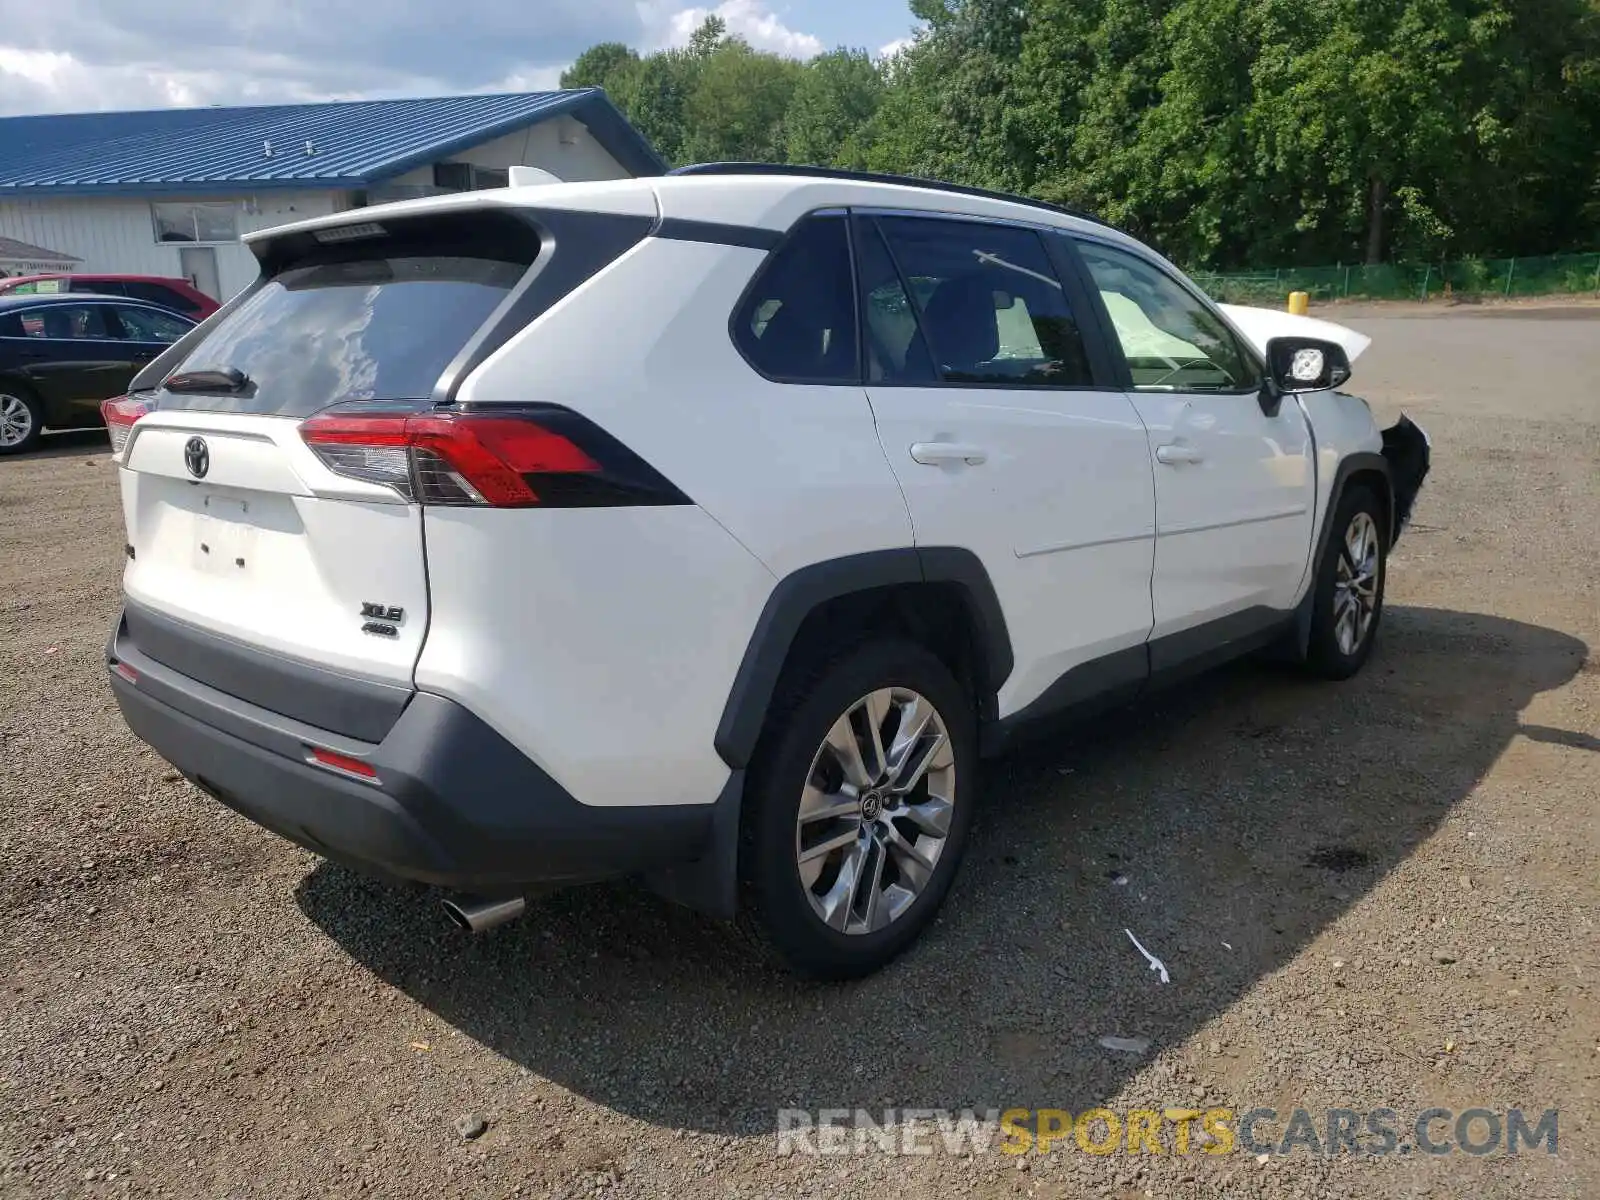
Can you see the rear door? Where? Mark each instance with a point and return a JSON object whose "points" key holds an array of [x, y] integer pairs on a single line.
{"points": [[234, 526], [1006, 441]]}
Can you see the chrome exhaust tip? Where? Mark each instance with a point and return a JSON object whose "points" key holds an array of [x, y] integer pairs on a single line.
{"points": [[475, 914]]}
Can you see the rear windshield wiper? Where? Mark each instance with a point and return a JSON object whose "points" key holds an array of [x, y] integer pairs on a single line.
{"points": [[229, 382]]}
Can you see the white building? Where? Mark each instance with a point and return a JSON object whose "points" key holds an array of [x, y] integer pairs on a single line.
{"points": [[169, 192]]}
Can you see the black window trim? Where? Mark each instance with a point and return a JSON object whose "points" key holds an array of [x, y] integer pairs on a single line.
{"points": [[1246, 350], [746, 294], [1103, 357]]}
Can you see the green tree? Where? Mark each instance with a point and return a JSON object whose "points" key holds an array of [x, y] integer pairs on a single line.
{"points": [[737, 107], [835, 98], [604, 66]]}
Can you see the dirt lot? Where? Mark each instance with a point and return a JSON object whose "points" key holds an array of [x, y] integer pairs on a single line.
{"points": [[1380, 894]]}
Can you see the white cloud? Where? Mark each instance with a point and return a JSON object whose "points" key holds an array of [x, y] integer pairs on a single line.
{"points": [[890, 49], [749, 19]]}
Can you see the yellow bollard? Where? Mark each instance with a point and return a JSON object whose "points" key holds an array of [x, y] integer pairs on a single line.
{"points": [[1299, 303]]}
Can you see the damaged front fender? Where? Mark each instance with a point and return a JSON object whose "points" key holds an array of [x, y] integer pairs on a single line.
{"points": [[1409, 453]]}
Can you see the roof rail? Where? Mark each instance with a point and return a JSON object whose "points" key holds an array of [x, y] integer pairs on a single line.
{"points": [[937, 185]]}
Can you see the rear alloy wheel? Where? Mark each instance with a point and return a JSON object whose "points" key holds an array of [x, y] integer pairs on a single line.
{"points": [[857, 811], [875, 812], [20, 423], [1348, 605]]}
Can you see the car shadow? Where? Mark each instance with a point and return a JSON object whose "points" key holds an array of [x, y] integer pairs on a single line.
{"points": [[1225, 824]]}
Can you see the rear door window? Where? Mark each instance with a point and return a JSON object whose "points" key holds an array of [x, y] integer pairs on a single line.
{"points": [[990, 305], [365, 328], [100, 287], [149, 325]]}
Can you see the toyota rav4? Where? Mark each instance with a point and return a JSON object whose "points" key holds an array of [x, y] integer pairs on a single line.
{"points": [[710, 528]]}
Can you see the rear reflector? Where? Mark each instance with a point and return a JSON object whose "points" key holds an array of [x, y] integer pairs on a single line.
{"points": [[120, 413], [508, 458], [126, 672], [342, 762]]}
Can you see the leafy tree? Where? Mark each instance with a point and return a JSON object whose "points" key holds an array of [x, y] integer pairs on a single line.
{"points": [[834, 99], [603, 66], [737, 107]]}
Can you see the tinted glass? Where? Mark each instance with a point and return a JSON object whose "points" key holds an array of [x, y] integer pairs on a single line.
{"points": [[797, 322], [11, 326], [991, 307], [896, 351], [381, 328], [66, 322], [1173, 342], [148, 325]]}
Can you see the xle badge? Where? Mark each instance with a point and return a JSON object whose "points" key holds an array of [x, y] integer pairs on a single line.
{"points": [[381, 619]]}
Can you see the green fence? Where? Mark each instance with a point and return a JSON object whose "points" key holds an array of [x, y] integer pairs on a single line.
{"points": [[1553, 274]]}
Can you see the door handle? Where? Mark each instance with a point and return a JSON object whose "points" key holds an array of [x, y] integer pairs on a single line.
{"points": [[1175, 454], [933, 454]]}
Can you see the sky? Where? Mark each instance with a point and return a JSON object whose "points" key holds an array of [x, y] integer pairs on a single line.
{"points": [[83, 55]]}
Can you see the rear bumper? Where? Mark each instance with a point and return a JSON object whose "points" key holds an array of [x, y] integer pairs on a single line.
{"points": [[453, 804]]}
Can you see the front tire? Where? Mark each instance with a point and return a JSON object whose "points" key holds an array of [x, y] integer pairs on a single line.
{"points": [[21, 420], [856, 817], [1348, 604]]}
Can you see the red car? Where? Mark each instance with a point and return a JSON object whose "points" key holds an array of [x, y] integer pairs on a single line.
{"points": [[179, 295]]}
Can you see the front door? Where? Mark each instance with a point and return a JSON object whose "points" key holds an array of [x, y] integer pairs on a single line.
{"points": [[1004, 441], [75, 360], [1234, 483]]}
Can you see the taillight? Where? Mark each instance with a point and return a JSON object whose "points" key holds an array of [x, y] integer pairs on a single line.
{"points": [[120, 413], [507, 458]]}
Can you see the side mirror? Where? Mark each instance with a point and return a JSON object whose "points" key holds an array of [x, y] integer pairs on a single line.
{"points": [[1301, 364]]}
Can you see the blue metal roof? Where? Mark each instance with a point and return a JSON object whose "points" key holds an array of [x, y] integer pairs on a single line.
{"points": [[354, 143]]}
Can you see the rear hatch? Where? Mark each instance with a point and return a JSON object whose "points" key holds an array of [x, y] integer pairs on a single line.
{"points": [[252, 565]]}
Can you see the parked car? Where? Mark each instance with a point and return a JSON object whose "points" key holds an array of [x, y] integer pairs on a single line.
{"points": [[61, 356], [179, 295], [710, 527]]}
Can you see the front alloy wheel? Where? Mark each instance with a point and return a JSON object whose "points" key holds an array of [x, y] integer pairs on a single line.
{"points": [[1355, 590], [1348, 604], [876, 809]]}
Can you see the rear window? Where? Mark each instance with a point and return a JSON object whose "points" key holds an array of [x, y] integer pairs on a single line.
{"points": [[369, 328]]}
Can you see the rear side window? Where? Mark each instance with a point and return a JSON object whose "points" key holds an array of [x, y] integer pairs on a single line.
{"points": [[991, 308], [365, 328], [148, 325], [797, 322]]}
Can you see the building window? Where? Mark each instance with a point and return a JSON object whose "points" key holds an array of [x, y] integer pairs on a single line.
{"points": [[195, 222], [464, 177]]}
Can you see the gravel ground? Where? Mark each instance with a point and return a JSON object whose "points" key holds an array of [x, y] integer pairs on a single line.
{"points": [[1377, 894]]}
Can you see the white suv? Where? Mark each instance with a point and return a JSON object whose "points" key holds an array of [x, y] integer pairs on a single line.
{"points": [[711, 527]]}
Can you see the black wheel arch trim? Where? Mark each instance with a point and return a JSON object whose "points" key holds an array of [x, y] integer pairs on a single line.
{"points": [[799, 594]]}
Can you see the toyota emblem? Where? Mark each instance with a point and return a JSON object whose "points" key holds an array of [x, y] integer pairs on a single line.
{"points": [[197, 457]]}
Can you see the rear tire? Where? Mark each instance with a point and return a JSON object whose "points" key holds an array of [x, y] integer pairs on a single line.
{"points": [[849, 844], [1348, 604], [21, 420]]}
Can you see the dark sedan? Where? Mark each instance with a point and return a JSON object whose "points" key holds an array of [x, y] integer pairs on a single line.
{"points": [[60, 356]]}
